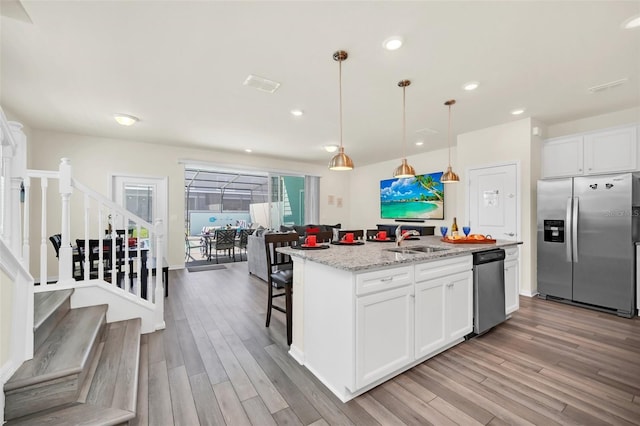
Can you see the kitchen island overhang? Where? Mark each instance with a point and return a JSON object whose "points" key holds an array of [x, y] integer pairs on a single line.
{"points": [[363, 314]]}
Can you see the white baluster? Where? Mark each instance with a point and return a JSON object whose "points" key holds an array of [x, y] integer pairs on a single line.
{"points": [[139, 262], [159, 294], [65, 257], [18, 173], [44, 184], [26, 247], [100, 250]]}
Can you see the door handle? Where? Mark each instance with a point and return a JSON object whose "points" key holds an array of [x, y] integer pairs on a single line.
{"points": [[574, 228], [567, 229], [511, 234]]}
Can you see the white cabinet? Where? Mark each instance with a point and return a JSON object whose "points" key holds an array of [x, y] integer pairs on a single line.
{"points": [[384, 333], [606, 151], [444, 304], [511, 280]]}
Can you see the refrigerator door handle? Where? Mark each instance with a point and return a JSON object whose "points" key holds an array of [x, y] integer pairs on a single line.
{"points": [[574, 228], [568, 240]]}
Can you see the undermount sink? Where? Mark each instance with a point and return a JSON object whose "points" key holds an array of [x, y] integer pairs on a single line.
{"points": [[415, 249], [426, 249]]}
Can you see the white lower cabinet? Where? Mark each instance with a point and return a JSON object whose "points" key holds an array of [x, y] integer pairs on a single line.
{"points": [[511, 280], [399, 326], [384, 333]]}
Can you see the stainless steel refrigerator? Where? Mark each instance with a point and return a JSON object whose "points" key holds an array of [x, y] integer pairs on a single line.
{"points": [[587, 230]]}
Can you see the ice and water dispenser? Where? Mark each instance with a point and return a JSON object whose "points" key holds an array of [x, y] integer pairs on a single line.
{"points": [[554, 231]]}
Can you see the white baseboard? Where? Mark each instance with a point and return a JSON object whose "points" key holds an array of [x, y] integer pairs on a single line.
{"points": [[528, 293], [296, 354]]}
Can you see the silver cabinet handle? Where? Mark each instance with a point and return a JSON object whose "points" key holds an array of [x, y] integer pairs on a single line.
{"points": [[511, 234], [386, 279]]}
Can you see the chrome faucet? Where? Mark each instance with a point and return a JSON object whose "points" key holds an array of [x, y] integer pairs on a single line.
{"points": [[400, 236]]}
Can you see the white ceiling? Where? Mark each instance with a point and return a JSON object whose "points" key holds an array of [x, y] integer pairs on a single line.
{"points": [[180, 65]]}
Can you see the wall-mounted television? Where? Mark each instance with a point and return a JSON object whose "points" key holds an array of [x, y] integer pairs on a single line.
{"points": [[419, 197]]}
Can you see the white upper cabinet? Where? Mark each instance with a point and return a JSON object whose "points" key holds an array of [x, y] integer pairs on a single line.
{"points": [[612, 150]]}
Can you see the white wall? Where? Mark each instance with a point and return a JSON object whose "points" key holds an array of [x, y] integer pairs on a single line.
{"points": [[612, 119], [93, 159], [6, 312], [509, 142], [365, 189]]}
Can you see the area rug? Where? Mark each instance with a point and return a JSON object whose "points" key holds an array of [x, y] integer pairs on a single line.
{"points": [[205, 268]]}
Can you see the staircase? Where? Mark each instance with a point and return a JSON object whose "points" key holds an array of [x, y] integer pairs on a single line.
{"points": [[83, 371]]}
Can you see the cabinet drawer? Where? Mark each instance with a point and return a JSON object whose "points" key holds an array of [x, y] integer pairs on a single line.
{"points": [[511, 253], [440, 268], [385, 279]]}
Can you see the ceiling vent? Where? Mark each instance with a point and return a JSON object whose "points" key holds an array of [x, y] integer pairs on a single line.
{"points": [[427, 131], [261, 83], [607, 86]]}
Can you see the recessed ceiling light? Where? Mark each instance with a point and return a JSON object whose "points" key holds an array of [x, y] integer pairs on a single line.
{"points": [[419, 143], [125, 119], [392, 43], [633, 22], [331, 148], [248, 150], [297, 112], [517, 111], [471, 85]]}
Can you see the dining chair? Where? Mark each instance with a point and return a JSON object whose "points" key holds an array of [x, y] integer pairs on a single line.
{"points": [[322, 236], [224, 239], [358, 234], [90, 251], [56, 241], [190, 244], [243, 239], [371, 233], [280, 276]]}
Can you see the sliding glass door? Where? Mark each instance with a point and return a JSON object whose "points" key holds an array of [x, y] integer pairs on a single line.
{"points": [[287, 200]]}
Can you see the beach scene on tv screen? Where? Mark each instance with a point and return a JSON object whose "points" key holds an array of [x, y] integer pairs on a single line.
{"points": [[419, 197]]}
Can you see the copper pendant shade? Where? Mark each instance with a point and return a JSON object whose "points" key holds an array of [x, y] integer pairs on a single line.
{"points": [[450, 176], [404, 170], [340, 161]]}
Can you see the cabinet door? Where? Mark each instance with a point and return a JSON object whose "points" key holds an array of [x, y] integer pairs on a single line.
{"points": [[384, 334], [562, 157], [511, 287], [459, 315], [430, 313], [611, 151]]}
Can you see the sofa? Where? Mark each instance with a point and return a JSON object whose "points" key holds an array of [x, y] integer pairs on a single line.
{"points": [[256, 254]]}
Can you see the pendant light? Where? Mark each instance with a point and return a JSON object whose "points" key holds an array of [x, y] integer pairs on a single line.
{"points": [[449, 176], [404, 170], [340, 161]]}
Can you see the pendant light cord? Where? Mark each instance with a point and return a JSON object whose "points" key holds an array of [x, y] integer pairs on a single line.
{"points": [[404, 124], [449, 135], [340, 91]]}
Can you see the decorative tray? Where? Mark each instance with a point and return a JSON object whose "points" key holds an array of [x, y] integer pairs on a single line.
{"points": [[345, 243], [467, 241], [306, 247]]}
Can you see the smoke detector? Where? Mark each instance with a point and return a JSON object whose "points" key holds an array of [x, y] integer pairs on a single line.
{"points": [[261, 83]]}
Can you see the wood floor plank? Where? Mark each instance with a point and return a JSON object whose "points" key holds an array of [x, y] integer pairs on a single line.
{"points": [[258, 413], [160, 412], [426, 411], [205, 401], [182, 401], [286, 417], [238, 377], [230, 405], [377, 410], [190, 353], [142, 409]]}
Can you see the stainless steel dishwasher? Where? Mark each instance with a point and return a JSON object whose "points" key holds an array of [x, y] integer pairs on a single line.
{"points": [[488, 290]]}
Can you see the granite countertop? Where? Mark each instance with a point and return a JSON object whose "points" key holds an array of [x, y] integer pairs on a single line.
{"points": [[372, 255]]}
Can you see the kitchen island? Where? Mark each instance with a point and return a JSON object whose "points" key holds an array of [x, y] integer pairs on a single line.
{"points": [[363, 314]]}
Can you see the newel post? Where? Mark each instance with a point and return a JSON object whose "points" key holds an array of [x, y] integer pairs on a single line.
{"points": [[159, 264], [65, 266]]}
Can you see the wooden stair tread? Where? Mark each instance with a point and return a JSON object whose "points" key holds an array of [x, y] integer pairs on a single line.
{"points": [[80, 414], [46, 303], [115, 381], [66, 351]]}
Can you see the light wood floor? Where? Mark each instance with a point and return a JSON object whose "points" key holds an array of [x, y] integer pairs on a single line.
{"points": [[216, 363]]}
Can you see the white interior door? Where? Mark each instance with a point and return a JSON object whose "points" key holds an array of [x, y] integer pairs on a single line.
{"points": [[145, 197], [494, 201]]}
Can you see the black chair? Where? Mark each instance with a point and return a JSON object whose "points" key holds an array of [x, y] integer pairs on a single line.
{"points": [[225, 239], [56, 240], [322, 236], [93, 257], [243, 239], [371, 233], [280, 276]]}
